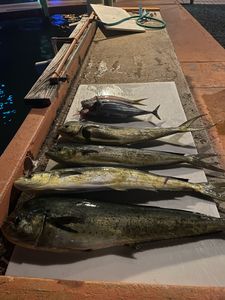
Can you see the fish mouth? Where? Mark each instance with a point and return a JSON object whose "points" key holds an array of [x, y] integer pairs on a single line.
{"points": [[61, 130], [9, 231], [24, 186], [84, 113], [14, 230]]}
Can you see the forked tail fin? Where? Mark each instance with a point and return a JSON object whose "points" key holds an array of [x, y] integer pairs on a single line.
{"points": [[155, 112], [186, 126], [215, 190], [197, 161], [138, 101]]}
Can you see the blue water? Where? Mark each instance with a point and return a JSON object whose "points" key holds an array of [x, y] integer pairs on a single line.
{"points": [[22, 43]]}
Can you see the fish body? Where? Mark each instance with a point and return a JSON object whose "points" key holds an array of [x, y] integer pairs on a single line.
{"points": [[73, 155], [103, 178], [109, 98], [89, 132], [66, 224], [112, 111]]}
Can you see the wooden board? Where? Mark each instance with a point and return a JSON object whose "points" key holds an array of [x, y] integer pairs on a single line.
{"points": [[43, 93], [13, 288], [109, 14]]}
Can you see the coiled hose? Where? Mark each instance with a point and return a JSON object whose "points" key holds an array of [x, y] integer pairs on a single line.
{"points": [[141, 20]]}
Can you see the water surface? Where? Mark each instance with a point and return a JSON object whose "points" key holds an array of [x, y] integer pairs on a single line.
{"points": [[22, 43]]}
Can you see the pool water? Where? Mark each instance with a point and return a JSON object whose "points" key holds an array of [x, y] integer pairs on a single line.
{"points": [[22, 43]]}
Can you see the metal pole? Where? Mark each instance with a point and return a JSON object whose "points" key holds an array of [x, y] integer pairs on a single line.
{"points": [[104, 2], [108, 2], [44, 7], [140, 7]]}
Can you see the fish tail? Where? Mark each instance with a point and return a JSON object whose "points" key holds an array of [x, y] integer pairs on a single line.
{"points": [[186, 126], [155, 112], [139, 101], [215, 190], [197, 161]]}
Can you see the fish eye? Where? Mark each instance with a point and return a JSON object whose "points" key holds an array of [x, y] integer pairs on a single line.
{"points": [[67, 125], [17, 220]]}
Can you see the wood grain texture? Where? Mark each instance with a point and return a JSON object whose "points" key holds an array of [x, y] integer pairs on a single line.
{"points": [[43, 92], [34, 288]]}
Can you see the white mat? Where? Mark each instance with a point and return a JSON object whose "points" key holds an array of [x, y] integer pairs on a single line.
{"points": [[108, 14]]}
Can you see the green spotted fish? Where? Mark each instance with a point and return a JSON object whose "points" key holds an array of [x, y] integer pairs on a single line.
{"points": [[66, 224], [102, 178], [85, 155], [94, 133]]}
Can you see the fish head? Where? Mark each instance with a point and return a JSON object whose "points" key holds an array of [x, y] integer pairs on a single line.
{"points": [[61, 152], [71, 129], [88, 103], [32, 181], [84, 113], [23, 227]]}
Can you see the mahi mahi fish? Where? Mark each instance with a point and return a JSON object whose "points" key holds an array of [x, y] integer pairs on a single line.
{"points": [[66, 224], [73, 155], [112, 111], [121, 179], [89, 132]]}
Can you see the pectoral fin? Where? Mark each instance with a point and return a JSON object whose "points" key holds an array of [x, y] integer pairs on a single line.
{"points": [[86, 130], [70, 171], [87, 151], [65, 223]]}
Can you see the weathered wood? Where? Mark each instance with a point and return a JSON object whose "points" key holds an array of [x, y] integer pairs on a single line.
{"points": [[136, 8], [57, 73], [34, 288], [57, 42], [43, 92]]}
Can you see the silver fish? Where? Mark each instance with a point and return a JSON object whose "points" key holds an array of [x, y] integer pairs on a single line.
{"points": [[113, 111], [108, 98]]}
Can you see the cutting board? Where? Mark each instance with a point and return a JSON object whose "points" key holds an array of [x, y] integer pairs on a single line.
{"points": [[108, 14]]}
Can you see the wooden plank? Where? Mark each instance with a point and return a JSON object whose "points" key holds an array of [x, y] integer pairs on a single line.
{"points": [[109, 14], [34, 288], [58, 72], [43, 92], [136, 8]]}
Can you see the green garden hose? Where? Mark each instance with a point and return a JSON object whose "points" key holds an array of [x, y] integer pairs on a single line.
{"points": [[141, 20]]}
